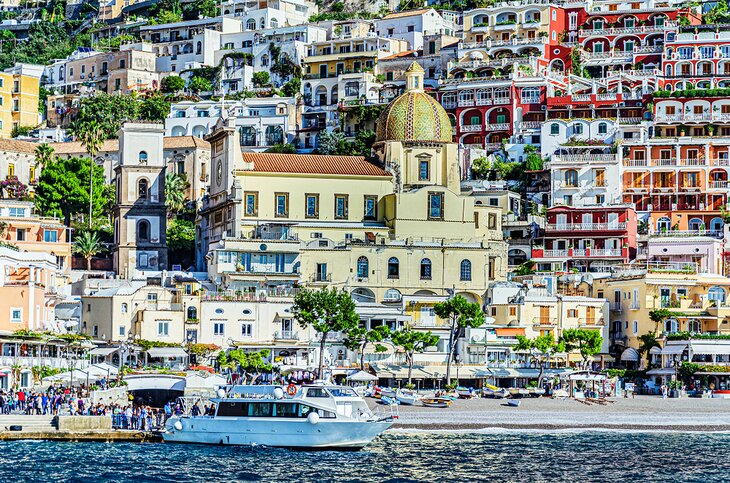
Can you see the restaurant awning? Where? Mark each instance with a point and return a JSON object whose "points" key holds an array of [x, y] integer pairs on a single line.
{"points": [[167, 352], [103, 351], [672, 350], [630, 355], [510, 331], [709, 348], [664, 371], [656, 350]]}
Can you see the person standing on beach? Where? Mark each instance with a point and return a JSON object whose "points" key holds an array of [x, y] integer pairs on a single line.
{"points": [[664, 391]]}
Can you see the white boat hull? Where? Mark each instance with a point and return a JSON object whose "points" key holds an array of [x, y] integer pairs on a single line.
{"points": [[275, 432], [407, 400]]}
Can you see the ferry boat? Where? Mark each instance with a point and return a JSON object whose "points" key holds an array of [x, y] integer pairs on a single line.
{"points": [[311, 417]]}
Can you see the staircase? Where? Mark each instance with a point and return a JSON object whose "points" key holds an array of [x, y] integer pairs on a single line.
{"points": [[32, 424]]}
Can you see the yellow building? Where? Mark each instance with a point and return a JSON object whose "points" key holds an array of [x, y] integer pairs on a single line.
{"points": [[697, 303], [396, 231], [19, 89]]}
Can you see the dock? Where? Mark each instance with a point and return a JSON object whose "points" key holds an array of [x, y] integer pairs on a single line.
{"points": [[70, 428]]}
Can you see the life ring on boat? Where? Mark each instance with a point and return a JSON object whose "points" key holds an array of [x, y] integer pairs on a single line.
{"points": [[291, 389]]}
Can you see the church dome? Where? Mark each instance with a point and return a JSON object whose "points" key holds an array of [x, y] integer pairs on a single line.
{"points": [[414, 115]]}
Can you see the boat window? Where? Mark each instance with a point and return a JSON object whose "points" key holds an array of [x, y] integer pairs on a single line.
{"points": [[316, 392], [233, 409], [304, 410], [261, 410], [326, 414], [287, 410], [342, 392]]}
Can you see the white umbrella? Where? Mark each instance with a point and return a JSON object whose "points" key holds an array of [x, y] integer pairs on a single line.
{"points": [[77, 376], [362, 376]]}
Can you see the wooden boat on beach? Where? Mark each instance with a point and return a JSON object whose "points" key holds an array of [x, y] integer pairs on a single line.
{"points": [[436, 402], [494, 392], [407, 398], [464, 393]]}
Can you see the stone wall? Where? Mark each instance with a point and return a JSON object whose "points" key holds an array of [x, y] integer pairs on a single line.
{"points": [[84, 423]]}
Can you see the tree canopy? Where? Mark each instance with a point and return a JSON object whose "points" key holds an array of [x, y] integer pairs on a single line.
{"points": [[358, 338], [63, 189], [541, 348], [180, 238], [88, 244], [462, 314], [412, 342], [586, 341], [172, 84], [326, 310]]}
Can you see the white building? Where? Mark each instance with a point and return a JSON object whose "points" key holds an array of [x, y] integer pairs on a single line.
{"points": [[187, 45], [412, 25], [262, 14], [585, 165], [262, 122]]}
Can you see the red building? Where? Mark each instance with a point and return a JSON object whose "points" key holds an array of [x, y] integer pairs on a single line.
{"points": [[696, 57], [587, 238]]}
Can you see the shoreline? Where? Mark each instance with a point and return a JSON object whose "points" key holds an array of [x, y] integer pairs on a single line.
{"points": [[544, 428]]}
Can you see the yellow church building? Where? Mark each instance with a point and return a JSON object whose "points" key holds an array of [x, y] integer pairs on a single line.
{"points": [[394, 230]]}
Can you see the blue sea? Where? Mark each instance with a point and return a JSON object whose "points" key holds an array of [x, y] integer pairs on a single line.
{"points": [[394, 457]]}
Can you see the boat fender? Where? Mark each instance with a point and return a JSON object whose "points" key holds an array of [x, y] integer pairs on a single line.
{"points": [[278, 393], [313, 418], [291, 390], [178, 425], [221, 392]]}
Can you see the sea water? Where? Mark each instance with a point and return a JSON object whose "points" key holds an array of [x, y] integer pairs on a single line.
{"points": [[396, 456]]}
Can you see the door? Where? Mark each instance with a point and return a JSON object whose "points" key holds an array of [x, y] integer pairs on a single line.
{"points": [[428, 316], [613, 220], [590, 315], [587, 221], [665, 297], [562, 221], [323, 71], [321, 272]]}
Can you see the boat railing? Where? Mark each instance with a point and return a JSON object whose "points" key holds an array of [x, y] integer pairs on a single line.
{"points": [[387, 412]]}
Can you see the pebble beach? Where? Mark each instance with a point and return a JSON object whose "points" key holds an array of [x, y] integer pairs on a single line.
{"points": [[643, 413]]}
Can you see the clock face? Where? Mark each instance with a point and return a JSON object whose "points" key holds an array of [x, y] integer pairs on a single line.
{"points": [[219, 172]]}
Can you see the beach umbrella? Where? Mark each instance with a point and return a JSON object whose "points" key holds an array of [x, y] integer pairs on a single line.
{"points": [[362, 376]]}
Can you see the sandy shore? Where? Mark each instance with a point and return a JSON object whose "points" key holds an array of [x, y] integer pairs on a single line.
{"points": [[642, 413]]}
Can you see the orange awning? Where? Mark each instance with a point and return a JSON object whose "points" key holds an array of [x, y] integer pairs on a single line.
{"points": [[510, 331]]}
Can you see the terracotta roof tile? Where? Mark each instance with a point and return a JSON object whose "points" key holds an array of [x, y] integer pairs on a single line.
{"points": [[313, 164], [185, 142], [407, 53], [17, 146], [408, 13]]}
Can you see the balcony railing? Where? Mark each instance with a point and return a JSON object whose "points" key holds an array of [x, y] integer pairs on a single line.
{"points": [[585, 226], [500, 126], [544, 321], [583, 158], [616, 306], [718, 184], [471, 128], [286, 335], [619, 30]]}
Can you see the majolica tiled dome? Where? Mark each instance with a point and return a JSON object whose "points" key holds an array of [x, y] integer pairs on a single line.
{"points": [[414, 115]]}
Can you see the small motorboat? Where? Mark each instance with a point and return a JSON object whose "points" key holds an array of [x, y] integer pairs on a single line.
{"points": [[537, 391], [514, 392], [515, 403], [388, 401], [436, 402], [464, 393], [495, 392], [407, 398], [524, 392], [386, 391]]}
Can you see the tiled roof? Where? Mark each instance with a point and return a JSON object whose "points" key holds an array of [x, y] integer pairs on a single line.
{"points": [[186, 142], [16, 146], [74, 147], [408, 13], [313, 164], [407, 53], [112, 145]]}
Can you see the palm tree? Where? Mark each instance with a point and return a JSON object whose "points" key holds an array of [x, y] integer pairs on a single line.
{"points": [[44, 155], [87, 245], [175, 186], [91, 135]]}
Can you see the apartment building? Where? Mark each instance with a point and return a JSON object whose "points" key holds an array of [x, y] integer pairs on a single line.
{"points": [[262, 121], [17, 159], [19, 88], [413, 25], [263, 14], [696, 56]]}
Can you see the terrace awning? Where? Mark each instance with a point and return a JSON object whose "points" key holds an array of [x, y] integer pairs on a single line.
{"points": [[167, 352], [673, 350], [103, 351], [709, 349], [630, 355]]}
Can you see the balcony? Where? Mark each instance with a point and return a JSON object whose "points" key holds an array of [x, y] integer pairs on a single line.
{"points": [[286, 335], [594, 322], [718, 184], [321, 278], [530, 125], [544, 321], [635, 162], [586, 227], [616, 306], [620, 30], [688, 233], [471, 128], [500, 126], [583, 158]]}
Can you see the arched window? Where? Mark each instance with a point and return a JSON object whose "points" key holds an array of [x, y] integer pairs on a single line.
{"points": [[716, 226], [263, 23], [143, 231], [602, 128], [425, 269], [465, 271], [694, 326], [571, 177], [671, 326], [363, 267], [264, 60], [716, 294], [663, 224], [554, 129], [248, 136], [391, 295], [192, 313], [143, 157], [125, 308], [695, 224], [199, 48], [274, 23], [143, 189], [393, 267], [250, 24], [274, 135]]}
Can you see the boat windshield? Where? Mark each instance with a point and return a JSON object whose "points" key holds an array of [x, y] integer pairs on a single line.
{"points": [[342, 392]]}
